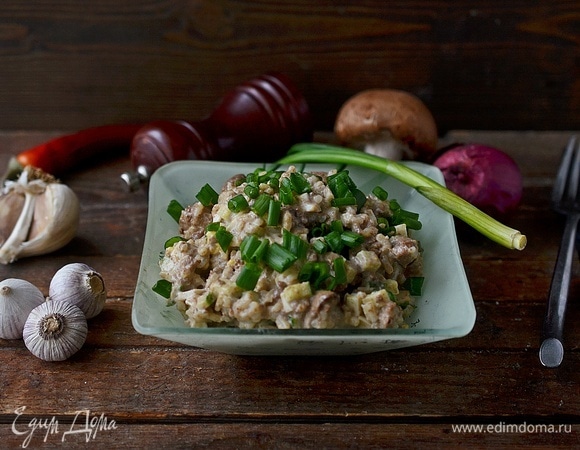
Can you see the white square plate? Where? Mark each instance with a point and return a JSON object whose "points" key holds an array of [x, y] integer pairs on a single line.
{"points": [[445, 310]]}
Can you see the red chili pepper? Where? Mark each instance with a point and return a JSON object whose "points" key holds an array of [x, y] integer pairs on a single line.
{"points": [[63, 153]]}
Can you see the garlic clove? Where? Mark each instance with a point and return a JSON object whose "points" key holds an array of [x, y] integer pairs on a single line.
{"points": [[44, 219], [10, 248], [54, 331], [11, 206], [17, 299], [81, 285], [55, 222]]}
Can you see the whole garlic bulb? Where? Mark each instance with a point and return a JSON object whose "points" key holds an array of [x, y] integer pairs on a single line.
{"points": [[80, 285], [38, 215], [54, 331], [17, 299]]}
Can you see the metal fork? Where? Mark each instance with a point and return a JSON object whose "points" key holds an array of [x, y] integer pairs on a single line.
{"points": [[565, 200]]}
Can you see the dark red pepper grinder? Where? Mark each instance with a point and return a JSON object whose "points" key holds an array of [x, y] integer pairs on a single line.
{"points": [[258, 121]]}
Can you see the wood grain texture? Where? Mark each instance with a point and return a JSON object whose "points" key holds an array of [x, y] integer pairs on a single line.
{"points": [[290, 436], [167, 383], [493, 65]]}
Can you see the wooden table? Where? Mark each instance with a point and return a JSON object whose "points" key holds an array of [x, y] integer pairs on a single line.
{"points": [[147, 393]]}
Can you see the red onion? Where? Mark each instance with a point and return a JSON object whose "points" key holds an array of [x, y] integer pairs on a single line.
{"points": [[486, 177]]}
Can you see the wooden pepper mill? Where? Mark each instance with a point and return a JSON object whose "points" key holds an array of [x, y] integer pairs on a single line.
{"points": [[257, 121]]}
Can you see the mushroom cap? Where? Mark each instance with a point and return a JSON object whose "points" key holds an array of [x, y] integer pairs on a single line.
{"points": [[381, 115]]}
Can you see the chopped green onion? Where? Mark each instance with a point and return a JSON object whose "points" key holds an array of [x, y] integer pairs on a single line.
{"points": [[273, 213], [300, 184], [238, 204], [279, 258], [224, 238], [315, 272], [249, 276], [264, 177], [295, 244], [360, 197], [253, 249], [340, 184], [432, 190], [214, 226], [380, 193], [334, 241], [384, 226], [410, 219], [342, 177], [339, 270], [414, 285], [336, 225], [345, 191], [163, 288], [248, 247], [261, 204], [413, 224], [306, 271], [251, 190], [260, 251], [174, 209], [210, 299], [408, 214], [207, 196], [286, 195], [318, 230], [382, 222], [172, 241], [351, 239], [319, 246], [274, 183], [252, 178], [343, 201], [310, 269], [272, 175]]}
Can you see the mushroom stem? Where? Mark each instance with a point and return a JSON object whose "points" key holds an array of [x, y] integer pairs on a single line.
{"points": [[387, 148]]}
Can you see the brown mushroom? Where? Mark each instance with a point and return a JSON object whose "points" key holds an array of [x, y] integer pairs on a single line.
{"points": [[390, 123]]}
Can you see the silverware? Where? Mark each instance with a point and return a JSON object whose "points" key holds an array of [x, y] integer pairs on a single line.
{"points": [[565, 200]]}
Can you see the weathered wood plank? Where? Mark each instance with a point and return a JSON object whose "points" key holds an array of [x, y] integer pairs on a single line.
{"points": [[168, 384], [494, 66], [268, 436]]}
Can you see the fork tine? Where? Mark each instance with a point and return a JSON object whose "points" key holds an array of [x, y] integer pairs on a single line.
{"points": [[574, 185], [562, 176]]}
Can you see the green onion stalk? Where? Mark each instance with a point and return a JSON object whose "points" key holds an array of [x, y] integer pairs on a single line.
{"points": [[435, 192]]}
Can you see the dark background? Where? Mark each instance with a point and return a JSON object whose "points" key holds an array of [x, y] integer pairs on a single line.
{"points": [[504, 65]]}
